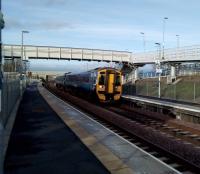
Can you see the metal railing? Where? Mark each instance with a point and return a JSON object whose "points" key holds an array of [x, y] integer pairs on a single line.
{"points": [[10, 94], [182, 54], [183, 89], [13, 86], [62, 53]]}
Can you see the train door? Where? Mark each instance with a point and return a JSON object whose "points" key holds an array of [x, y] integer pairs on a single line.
{"points": [[111, 78]]}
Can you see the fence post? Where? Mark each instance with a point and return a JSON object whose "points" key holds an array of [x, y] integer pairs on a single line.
{"points": [[175, 91], [194, 97]]}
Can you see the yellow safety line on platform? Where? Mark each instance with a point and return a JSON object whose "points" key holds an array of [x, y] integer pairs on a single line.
{"points": [[114, 164]]}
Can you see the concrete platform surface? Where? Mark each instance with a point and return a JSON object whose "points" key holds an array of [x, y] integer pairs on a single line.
{"points": [[177, 105], [117, 154], [41, 143]]}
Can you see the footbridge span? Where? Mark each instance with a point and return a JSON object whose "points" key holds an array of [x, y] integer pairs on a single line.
{"points": [[65, 53], [173, 56]]}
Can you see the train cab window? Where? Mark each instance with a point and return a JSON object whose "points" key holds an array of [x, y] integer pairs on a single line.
{"points": [[118, 81], [102, 80]]}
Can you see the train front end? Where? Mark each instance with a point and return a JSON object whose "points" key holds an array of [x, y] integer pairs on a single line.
{"points": [[109, 85]]}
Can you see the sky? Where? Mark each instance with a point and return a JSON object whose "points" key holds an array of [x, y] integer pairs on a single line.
{"points": [[103, 24]]}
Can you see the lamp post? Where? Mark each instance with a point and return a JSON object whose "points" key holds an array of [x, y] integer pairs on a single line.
{"points": [[22, 58], [178, 40], [163, 43], [1, 27], [144, 42], [22, 49], [1, 67], [158, 68], [1, 86], [22, 46], [177, 45]]}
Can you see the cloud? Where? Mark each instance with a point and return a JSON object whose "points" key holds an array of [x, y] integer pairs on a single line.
{"points": [[46, 3], [12, 24], [118, 31], [55, 2], [53, 25]]}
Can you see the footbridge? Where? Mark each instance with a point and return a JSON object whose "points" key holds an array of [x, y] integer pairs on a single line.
{"points": [[172, 57], [65, 53], [175, 55]]}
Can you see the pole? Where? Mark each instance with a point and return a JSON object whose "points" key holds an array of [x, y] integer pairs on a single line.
{"points": [[158, 67], [22, 44], [159, 85], [1, 66], [163, 43], [177, 45], [22, 58], [144, 42], [1, 84], [178, 41], [194, 92]]}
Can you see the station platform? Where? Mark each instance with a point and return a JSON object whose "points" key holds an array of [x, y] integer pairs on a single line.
{"points": [[40, 142], [164, 103], [51, 136]]}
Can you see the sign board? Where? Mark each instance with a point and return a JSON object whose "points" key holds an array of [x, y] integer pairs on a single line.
{"points": [[158, 70]]}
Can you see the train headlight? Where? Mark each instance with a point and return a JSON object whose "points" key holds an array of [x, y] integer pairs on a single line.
{"points": [[100, 86]]}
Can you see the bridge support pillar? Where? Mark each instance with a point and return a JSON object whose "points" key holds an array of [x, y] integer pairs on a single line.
{"points": [[172, 77], [173, 71], [135, 74]]}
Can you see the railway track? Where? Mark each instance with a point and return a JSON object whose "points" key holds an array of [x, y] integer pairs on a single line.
{"points": [[185, 157], [161, 126]]}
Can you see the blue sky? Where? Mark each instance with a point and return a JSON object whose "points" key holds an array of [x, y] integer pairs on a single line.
{"points": [[103, 24]]}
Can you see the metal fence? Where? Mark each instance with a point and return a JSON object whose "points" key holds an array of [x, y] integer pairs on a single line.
{"points": [[186, 88], [10, 94], [179, 72], [13, 85]]}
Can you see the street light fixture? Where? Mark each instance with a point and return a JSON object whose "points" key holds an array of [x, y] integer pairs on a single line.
{"points": [[163, 44], [159, 50], [144, 44], [158, 69]]}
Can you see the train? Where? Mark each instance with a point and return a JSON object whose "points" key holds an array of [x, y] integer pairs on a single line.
{"points": [[104, 83]]}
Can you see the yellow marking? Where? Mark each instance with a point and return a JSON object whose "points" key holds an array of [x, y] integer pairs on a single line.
{"points": [[100, 96], [110, 83], [111, 161], [117, 97]]}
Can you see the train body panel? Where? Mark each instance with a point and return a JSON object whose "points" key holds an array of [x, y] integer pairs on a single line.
{"points": [[83, 81], [59, 80]]}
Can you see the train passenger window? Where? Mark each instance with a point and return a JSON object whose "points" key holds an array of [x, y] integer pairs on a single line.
{"points": [[118, 81], [101, 80]]}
